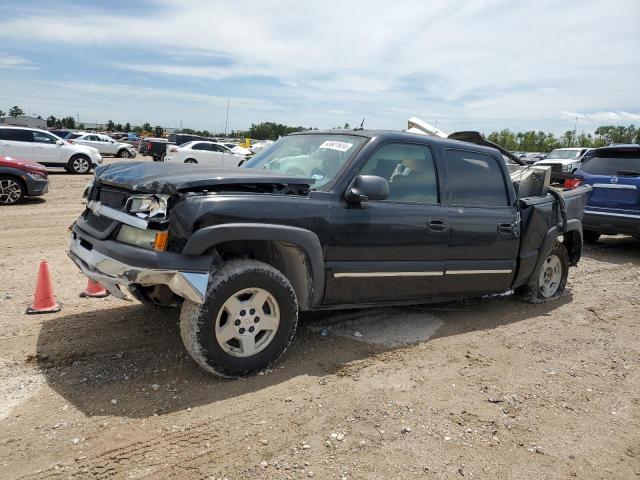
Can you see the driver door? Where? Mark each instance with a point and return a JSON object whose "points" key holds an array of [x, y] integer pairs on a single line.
{"points": [[395, 249]]}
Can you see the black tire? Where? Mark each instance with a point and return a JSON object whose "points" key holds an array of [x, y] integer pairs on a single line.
{"points": [[534, 291], [12, 190], [79, 164], [590, 236], [198, 322], [162, 157], [190, 160], [124, 153]]}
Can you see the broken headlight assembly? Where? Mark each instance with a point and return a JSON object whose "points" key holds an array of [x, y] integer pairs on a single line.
{"points": [[149, 206]]}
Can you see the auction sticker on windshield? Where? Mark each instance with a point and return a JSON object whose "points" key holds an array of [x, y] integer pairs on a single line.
{"points": [[334, 145]]}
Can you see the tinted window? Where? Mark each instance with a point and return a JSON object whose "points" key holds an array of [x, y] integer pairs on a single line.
{"points": [[16, 135], [409, 169], [201, 146], [475, 179], [619, 163], [73, 136]]}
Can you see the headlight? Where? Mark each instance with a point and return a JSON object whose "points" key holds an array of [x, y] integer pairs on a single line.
{"points": [[38, 176], [151, 205], [87, 189]]}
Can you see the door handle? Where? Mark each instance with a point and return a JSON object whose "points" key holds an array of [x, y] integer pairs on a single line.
{"points": [[436, 225], [509, 229]]}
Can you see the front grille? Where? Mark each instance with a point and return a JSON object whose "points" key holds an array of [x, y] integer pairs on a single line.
{"points": [[99, 223], [113, 198], [110, 198], [556, 167]]}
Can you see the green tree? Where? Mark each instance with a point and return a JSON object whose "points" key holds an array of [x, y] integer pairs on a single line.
{"points": [[15, 111], [347, 126], [146, 126], [118, 127], [271, 130], [127, 127], [51, 121], [110, 126], [68, 122], [2, 114]]}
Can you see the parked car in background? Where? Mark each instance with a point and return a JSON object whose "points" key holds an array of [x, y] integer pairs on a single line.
{"points": [[613, 206], [180, 138], [237, 149], [103, 143], [155, 147], [208, 153], [47, 149], [563, 161], [21, 178], [61, 133]]}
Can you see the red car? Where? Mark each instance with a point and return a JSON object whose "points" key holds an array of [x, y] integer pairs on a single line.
{"points": [[21, 178]]}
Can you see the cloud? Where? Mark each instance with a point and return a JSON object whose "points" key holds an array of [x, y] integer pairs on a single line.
{"points": [[599, 118], [10, 61], [495, 63]]}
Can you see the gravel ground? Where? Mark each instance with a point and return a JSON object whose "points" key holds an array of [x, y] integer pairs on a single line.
{"points": [[485, 388]]}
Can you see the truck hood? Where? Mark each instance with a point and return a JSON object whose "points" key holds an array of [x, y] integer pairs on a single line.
{"points": [[562, 161], [148, 177]]}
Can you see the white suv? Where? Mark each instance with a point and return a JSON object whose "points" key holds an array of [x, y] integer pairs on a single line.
{"points": [[47, 149], [103, 143]]}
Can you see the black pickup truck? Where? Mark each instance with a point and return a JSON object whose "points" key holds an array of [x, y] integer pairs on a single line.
{"points": [[321, 220]]}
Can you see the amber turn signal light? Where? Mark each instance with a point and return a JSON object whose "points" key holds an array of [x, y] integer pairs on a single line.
{"points": [[162, 239]]}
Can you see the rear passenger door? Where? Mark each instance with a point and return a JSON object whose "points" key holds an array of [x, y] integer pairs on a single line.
{"points": [[483, 225]]}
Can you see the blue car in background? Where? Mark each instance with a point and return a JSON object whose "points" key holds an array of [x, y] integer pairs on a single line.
{"points": [[613, 205]]}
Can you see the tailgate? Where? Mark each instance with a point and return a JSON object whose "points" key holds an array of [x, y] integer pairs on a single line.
{"points": [[620, 193]]}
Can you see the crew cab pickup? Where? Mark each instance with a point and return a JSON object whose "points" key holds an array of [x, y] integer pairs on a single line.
{"points": [[320, 220]]}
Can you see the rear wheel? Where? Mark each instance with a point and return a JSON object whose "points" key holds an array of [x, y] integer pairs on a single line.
{"points": [[12, 190], [190, 160], [548, 282], [590, 236], [247, 321], [79, 165]]}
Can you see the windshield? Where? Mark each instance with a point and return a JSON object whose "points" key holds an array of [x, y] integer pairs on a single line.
{"points": [[563, 154], [316, 156]]}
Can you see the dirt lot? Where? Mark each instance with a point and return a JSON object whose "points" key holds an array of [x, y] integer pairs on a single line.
{"points": [[486, 388]]}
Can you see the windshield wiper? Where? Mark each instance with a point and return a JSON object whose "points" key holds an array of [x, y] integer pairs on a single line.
{"points": [[628, 173]]}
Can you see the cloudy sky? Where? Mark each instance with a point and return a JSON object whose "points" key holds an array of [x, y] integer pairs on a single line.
{"points": [[483, 65]]}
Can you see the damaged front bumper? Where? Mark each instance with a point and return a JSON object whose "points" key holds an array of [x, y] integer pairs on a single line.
{"points": [[114, 264]]}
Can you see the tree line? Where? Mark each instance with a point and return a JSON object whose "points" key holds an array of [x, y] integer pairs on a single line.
{"points": [[538, 141]]}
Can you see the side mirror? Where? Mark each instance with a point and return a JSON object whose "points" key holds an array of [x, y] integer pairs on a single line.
{"points": [[367, 187], [59, 142]]}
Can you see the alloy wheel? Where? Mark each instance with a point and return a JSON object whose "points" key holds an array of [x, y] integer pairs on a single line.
{"points": [[10, 191], [247, 322]]}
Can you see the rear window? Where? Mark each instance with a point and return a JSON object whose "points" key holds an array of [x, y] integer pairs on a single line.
{"points": [[475, 179], [73, 136], [614, 163]]}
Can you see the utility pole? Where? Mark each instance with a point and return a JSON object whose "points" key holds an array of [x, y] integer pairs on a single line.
{"points": [[226, 123]]}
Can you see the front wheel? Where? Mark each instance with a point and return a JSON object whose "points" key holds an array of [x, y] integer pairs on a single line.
{"points": [[190, 160], [12, 190], [246, 323], [549, 280], [79, 165], [124, 153]]}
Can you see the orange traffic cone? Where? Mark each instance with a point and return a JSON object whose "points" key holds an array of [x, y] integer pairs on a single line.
{"points": [[44, 300], [94, 290]]}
